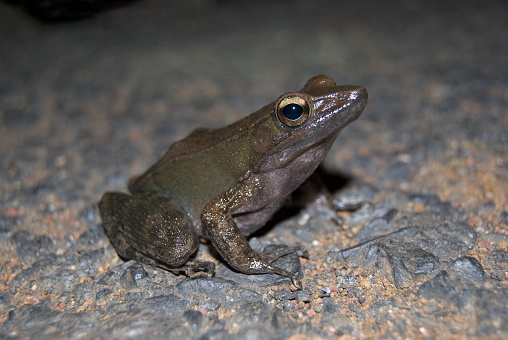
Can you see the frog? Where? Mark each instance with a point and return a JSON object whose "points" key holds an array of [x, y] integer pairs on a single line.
{"points": [[221, 185]]}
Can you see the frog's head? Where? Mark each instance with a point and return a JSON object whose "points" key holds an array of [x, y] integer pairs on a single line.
{"points": [[307, 119]]}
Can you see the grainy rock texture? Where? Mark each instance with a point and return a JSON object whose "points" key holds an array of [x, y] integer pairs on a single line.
{"points": [[86, 104]]}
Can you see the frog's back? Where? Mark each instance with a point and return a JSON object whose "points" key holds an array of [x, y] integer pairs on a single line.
{"points": [[202, 166], [202, 139]]}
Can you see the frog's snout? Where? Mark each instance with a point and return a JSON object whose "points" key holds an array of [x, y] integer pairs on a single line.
{"points": [[359, 95]]}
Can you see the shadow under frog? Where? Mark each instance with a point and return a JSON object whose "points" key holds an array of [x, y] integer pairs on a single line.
{"points": [[224, 184]]}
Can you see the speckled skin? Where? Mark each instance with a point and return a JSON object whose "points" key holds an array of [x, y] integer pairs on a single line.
{"points": [[224, 184]]}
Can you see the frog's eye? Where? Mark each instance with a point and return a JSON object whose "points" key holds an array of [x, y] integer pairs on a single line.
{"points": [[292, 110]]}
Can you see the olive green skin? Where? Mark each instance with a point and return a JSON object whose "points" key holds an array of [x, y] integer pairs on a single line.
{"points": [[226, 183]]}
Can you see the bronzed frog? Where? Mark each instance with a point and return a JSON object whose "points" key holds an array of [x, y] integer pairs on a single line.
{"points": [[223, 184]]}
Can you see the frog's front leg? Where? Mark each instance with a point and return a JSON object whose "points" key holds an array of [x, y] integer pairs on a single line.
{"points": [[231, 243]]}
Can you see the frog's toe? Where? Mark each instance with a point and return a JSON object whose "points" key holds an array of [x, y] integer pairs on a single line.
{"points": [[274, 255], [297, 283]]}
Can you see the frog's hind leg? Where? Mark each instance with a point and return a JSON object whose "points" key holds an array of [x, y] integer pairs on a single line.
{"points": [[148, 226]]}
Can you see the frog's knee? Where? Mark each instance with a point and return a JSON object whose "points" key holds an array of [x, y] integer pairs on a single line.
{"points": [[178, 245], [164, 234]]}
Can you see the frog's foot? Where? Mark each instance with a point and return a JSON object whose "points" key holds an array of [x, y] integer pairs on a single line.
{"points": [[269, 257], [272, 256], [200, 269], [196, 269], [294, 279], [269, 269]]}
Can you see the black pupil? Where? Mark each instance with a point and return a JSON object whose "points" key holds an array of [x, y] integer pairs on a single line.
{"points": [[292, 111]]}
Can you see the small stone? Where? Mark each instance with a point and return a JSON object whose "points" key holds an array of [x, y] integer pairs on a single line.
{"points": [[468, 268], [209, 305], [418, 207], [102, 293], [365, 283], [303, 296], [283, 295], [353, 307]]}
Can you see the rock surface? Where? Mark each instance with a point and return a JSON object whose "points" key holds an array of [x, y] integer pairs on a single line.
{"points": [[86, 104]]}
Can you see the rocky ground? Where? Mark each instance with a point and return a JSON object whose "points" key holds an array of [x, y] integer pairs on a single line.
{"points": [[86, 104]]}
